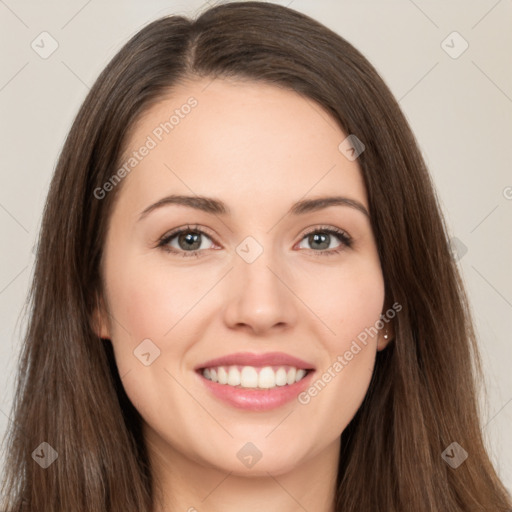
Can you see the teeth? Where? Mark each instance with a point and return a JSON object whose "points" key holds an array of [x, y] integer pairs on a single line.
{"points": [[267, 378], [281, 377], [222, 376], [300, 375], [248, 376], [234, 376]]}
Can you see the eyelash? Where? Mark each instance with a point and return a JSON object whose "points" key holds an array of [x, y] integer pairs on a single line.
{"points": [[343, 237]]}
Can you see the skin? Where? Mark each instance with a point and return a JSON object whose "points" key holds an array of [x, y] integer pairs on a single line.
{"points": [[259, 149]]}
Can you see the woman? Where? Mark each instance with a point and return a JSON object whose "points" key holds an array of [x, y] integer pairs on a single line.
{"points": [[264, 370]]}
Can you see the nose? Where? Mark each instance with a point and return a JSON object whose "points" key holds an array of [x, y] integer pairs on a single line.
{"points": [[260, 296]]}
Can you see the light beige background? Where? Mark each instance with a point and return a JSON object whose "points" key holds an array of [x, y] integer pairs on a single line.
{"points": [[460, 110]]}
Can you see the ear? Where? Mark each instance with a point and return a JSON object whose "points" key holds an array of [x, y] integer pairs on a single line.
{"points": [[386, 336], [99, 322]]}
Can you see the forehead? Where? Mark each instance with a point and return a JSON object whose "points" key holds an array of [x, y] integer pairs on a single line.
{"points": [[249, 143]]}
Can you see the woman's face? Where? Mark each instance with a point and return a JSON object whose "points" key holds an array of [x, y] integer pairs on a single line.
{"points": [[253, 274]]}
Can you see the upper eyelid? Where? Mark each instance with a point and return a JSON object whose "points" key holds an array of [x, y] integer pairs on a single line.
{"points": [[174, 232]]}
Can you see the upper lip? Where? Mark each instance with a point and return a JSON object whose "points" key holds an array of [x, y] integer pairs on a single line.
{"points": [[250, 359]]}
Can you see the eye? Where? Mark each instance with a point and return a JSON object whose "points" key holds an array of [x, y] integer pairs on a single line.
{"points": [[321, 237], [188, 241]]}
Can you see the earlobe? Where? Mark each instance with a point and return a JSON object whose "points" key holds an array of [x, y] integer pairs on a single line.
{"points": [[387, 332], [99, 321], [386, 336]]}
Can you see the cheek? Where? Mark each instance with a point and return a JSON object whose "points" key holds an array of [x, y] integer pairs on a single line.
{"points": [[349, 306], [348, 300], [149, 302], [149, 306], [149, 299]]}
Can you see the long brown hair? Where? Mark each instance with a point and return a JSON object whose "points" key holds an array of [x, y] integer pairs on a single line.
{"points": [[423, 392]]}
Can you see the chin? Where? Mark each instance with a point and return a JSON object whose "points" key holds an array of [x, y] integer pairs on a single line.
{"points": [[249, 461]]}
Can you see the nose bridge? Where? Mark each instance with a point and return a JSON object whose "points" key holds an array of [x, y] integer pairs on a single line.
{"points": [[257, 265], [260, 298]]}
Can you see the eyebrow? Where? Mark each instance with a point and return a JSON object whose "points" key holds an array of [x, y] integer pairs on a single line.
{"points": [[217, 207]]}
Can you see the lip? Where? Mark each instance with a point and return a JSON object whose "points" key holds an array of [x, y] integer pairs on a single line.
{"points": [[250, 359], [254, 399]]}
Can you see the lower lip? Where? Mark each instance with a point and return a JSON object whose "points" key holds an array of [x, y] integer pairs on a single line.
{"points": [[255, 399]]}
